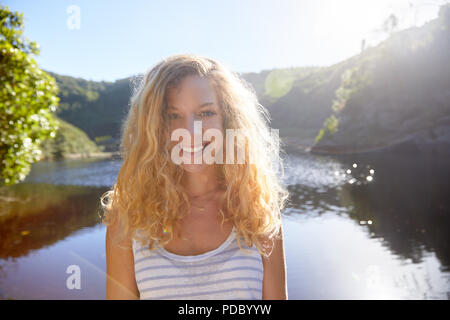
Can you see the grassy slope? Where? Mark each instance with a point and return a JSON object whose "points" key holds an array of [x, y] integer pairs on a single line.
{"points": [[68, 140]]}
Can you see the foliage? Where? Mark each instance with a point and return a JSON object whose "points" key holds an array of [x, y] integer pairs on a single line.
{"points": [[395, 90], [330, 127], [354, 81], [95, 107], [102, 138], [68, 140], [27, 100]]}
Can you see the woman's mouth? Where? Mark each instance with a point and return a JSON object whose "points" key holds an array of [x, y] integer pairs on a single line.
{"points": [[194, 149]]}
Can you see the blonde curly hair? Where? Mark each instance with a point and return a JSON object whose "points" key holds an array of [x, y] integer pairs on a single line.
{"points": [[147, 196]]}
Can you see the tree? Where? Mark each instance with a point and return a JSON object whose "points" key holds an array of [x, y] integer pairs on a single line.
{"points": [[27, 100], [390, 25]]}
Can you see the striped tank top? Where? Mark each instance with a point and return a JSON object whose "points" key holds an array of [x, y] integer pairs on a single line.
{"points": [[226, 272]]}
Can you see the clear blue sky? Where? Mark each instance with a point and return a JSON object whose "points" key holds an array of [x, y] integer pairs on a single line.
{"points": [[119, 38]]}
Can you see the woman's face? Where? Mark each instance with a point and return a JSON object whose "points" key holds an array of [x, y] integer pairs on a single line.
{"points": [[194, 100]]}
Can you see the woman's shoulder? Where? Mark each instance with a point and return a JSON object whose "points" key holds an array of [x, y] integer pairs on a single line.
{"points": [[116, 236]]}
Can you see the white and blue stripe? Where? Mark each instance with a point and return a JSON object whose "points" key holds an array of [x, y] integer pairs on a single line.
{"points": [[224, 273]]}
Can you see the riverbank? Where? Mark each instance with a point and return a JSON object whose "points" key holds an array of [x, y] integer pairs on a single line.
{"points": [[92, 155], [434, 141]]}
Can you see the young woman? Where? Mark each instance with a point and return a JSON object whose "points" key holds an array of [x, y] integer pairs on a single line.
{"points": [[195, 229]]}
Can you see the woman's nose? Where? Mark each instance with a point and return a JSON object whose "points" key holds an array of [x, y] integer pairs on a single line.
{"points": [[194, 126]]}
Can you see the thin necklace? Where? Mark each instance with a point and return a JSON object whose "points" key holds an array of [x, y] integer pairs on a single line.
{"points": [[202, 208]]}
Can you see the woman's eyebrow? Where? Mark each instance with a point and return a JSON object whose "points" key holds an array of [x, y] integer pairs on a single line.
{"points": [[205, 104]]}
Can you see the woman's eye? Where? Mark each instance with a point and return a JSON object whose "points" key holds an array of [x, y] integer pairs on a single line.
{"points": [[173, 116], [207, 113]]}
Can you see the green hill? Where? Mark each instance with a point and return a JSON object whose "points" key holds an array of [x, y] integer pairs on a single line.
{"points": [[68, 141], [97, 108], [396, 94]]}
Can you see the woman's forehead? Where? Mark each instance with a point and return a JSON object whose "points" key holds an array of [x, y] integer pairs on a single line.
{"points": [[191, 88]]}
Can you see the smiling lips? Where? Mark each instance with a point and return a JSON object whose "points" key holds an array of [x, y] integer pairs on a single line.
{"points": [[195, 149]]}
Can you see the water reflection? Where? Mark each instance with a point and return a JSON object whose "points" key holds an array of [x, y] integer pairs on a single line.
{"points": [[408, 209], [408, 205], [45, 228], [82, 172], [332, 257], [346, 236], [39, 215]]}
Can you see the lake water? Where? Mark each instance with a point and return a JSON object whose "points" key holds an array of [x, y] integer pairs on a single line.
{"points": [[357, 227]]}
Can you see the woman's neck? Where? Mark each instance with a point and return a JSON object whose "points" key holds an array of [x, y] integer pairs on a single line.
{"points": [[201, 183]]}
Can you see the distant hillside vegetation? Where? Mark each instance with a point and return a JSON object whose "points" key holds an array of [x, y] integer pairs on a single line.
{"points": [[396, 94], [69, 140], [97, 108]]}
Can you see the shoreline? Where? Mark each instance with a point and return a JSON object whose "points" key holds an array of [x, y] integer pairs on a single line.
{"points": [[92, 155], [421, 141]]}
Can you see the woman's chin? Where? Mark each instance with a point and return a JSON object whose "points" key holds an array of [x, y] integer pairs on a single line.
{"points": [[194, 168]]}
